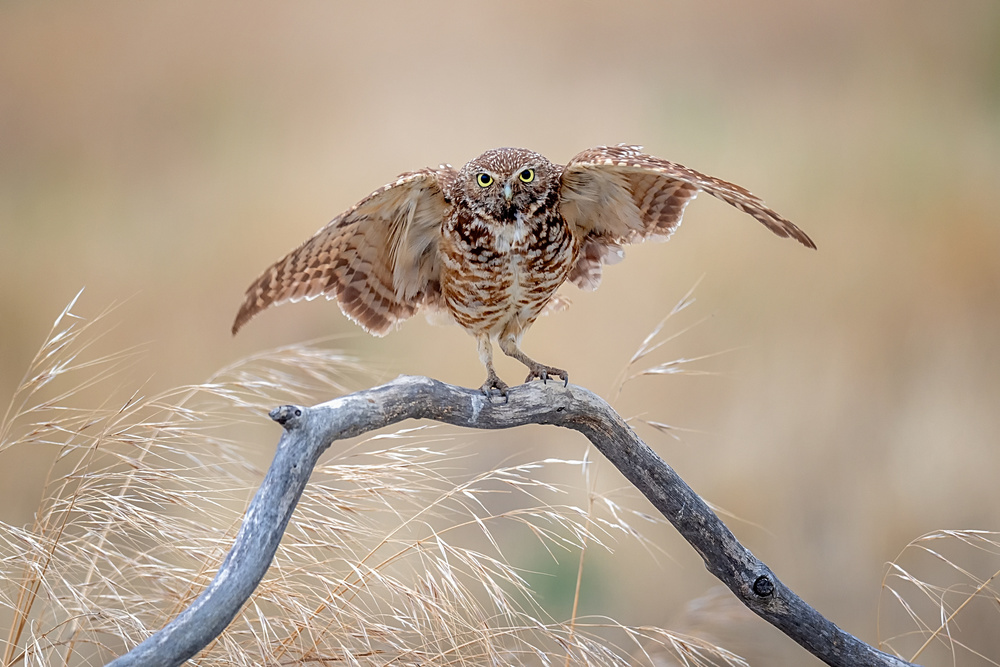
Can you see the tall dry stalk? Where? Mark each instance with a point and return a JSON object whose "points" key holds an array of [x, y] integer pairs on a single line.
{"points": [[940, 601]]}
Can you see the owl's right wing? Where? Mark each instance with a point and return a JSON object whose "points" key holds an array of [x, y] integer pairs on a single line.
{"points": [[379, 260]]}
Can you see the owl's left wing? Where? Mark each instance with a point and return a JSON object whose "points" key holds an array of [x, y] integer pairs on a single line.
{"points": [[379, 259], [612, 195]]}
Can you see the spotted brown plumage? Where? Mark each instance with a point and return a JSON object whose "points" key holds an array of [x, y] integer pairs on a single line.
{"points": [[491, 243]]}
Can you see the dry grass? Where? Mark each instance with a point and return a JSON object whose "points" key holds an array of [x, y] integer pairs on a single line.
{"points": [[396, 555], [399, 553], [941, 599]]}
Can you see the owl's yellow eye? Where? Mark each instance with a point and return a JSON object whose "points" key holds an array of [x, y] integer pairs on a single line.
{"points": [[527, 176], [484, 180]]}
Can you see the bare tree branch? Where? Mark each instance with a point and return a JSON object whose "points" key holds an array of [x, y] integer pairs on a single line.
{"points": [[309, 431]]}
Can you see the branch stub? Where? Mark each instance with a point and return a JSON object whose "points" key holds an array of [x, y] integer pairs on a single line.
{"points": [[286, 415]]}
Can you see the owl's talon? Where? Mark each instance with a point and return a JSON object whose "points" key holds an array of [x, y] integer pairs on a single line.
{"points": [[494, 382], [544, 373]]}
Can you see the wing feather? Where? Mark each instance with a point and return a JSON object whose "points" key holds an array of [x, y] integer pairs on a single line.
{"points": [[613, 195], [378, 260]]}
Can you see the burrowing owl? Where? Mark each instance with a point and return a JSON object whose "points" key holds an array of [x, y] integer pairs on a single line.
{"points": [[489, 244]]}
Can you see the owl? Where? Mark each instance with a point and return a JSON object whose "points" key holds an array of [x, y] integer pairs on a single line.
{"points": [[489, 244]]}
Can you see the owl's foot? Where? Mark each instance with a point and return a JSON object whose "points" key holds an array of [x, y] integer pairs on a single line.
{"points": [[508, 343], [495, 383], [545, 373]]}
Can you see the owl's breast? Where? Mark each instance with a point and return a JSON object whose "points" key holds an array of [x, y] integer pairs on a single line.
{"points": [[497, 276]]}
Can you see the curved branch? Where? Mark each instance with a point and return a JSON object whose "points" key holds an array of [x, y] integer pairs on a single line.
{"points": [[309, 431]]}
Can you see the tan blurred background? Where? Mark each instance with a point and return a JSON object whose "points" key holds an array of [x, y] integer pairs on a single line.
{"points": [[166, 153]]}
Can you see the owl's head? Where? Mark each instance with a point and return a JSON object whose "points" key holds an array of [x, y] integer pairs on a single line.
{"points": [[505, 181]]}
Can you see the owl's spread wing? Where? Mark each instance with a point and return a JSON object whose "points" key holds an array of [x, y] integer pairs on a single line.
{"points": [[379, 260], [613, 195]]}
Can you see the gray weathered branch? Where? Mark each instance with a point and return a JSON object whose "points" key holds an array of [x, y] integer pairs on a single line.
{"points": [[309, 431]]}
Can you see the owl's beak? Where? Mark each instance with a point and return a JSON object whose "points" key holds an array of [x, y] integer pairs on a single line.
{"points": [[508, 191]]}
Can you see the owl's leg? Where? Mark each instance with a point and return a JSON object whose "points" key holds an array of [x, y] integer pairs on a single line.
{"points": [[508, 343], [493, 381]]}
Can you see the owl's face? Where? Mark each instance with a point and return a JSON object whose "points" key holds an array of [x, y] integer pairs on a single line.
{"points": [[503, 182]]}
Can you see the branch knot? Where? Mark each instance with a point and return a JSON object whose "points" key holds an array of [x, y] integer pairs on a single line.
{"points": [[763, 587]]}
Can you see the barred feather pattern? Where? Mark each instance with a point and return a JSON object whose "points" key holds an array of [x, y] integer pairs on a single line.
{"points": [[622, 192], [378, 260]]}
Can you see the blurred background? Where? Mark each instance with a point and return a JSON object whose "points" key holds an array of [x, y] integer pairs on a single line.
{"points": [[163, 154]]}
